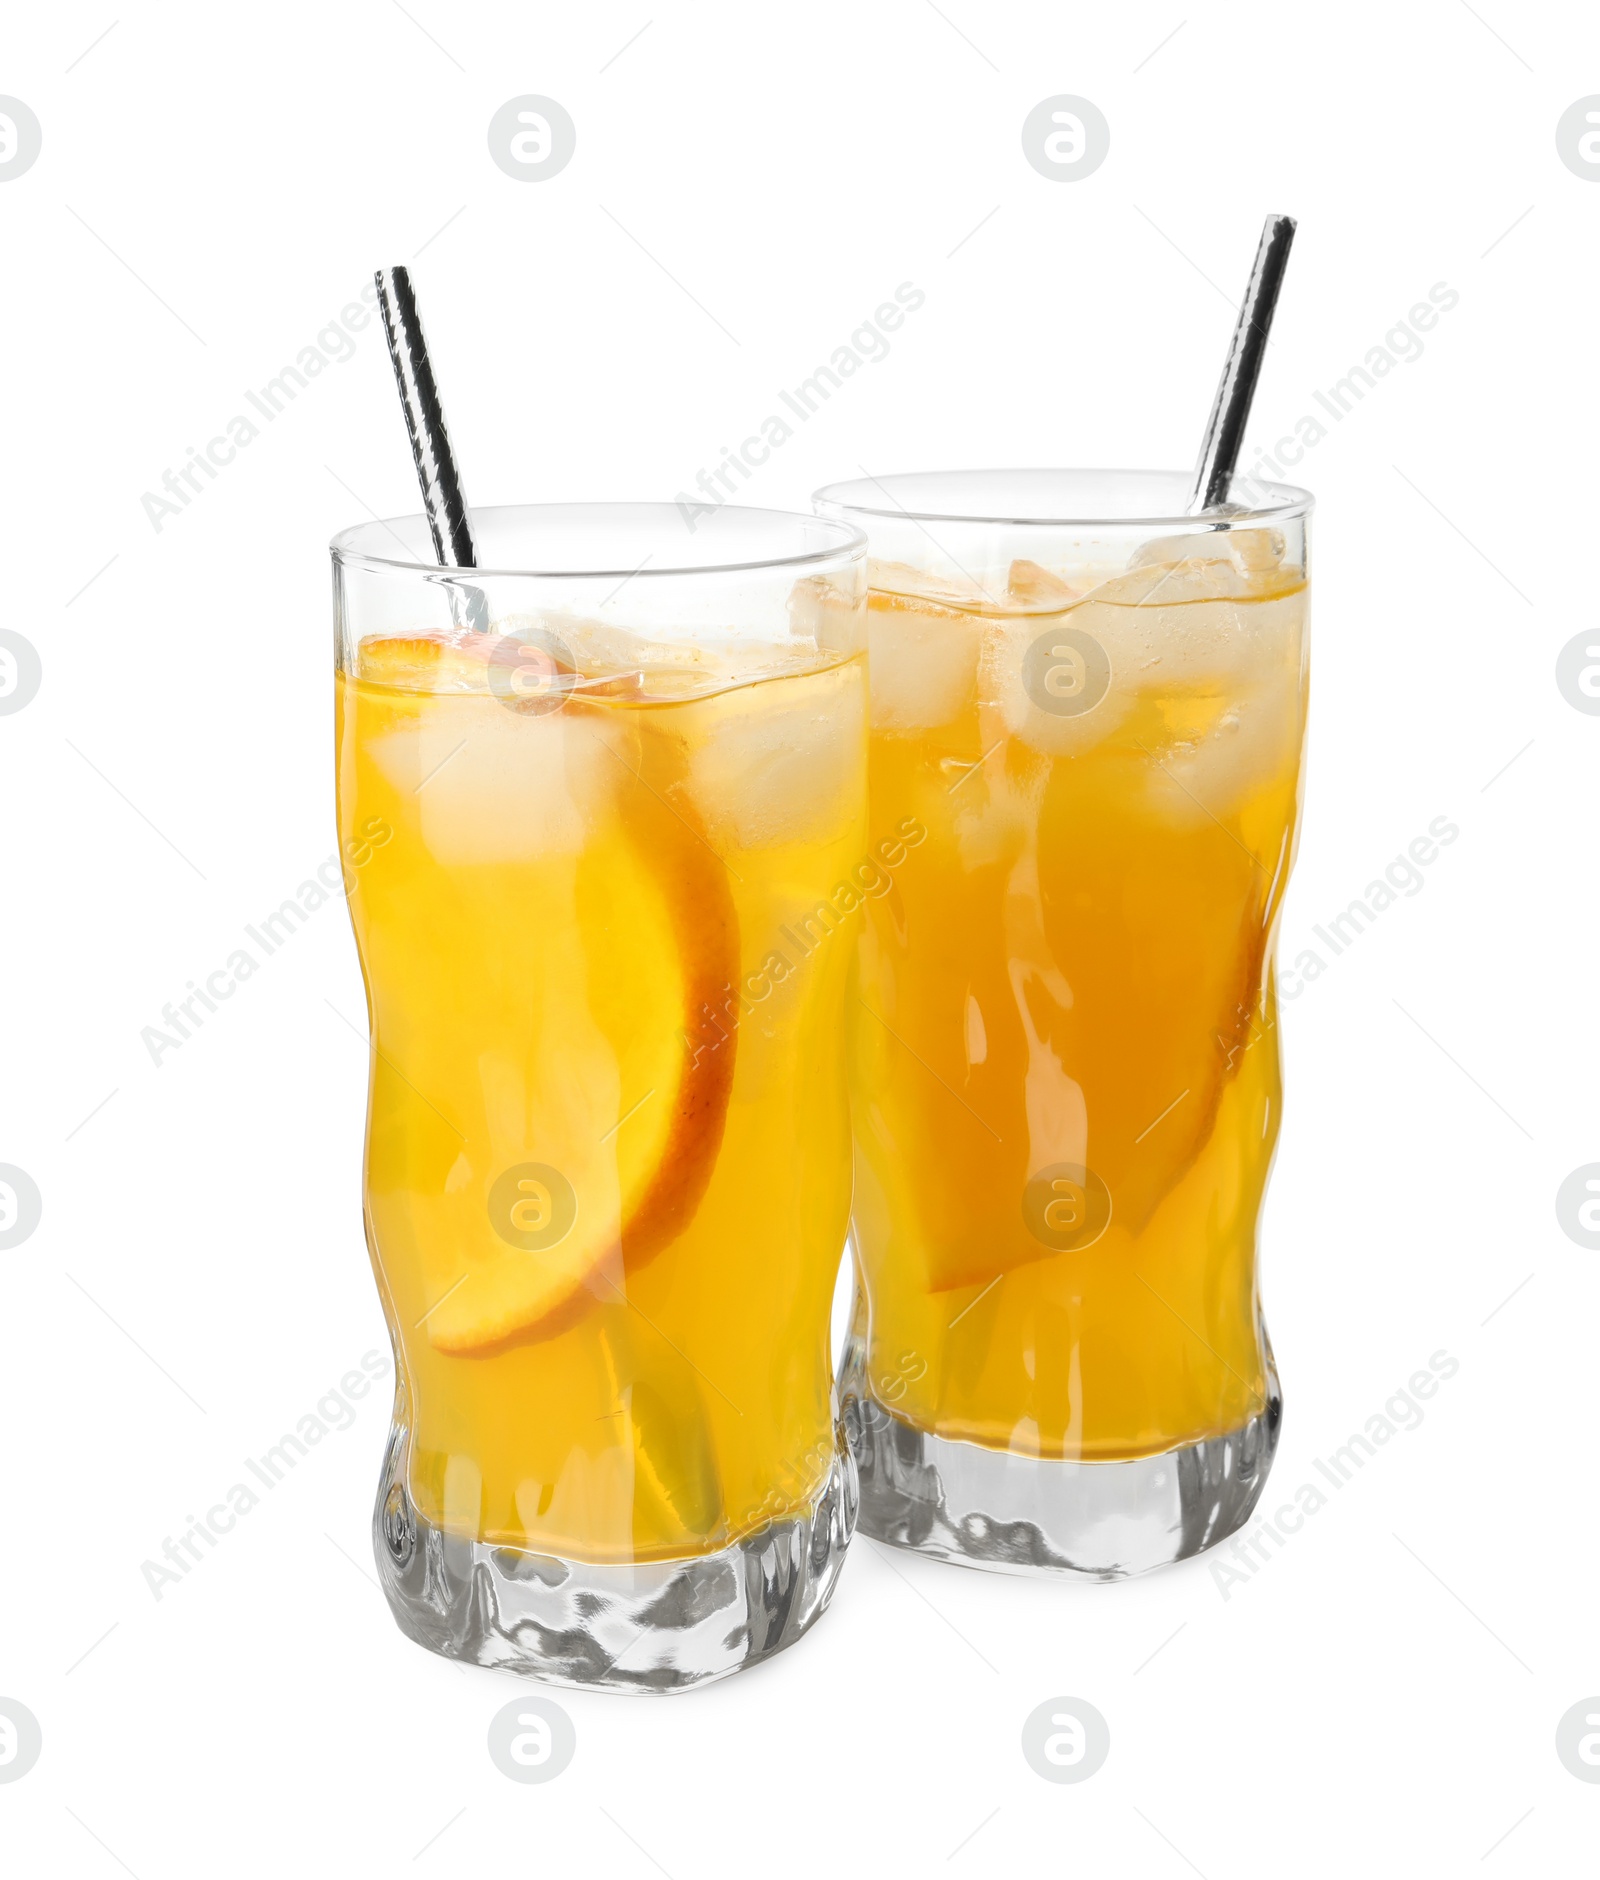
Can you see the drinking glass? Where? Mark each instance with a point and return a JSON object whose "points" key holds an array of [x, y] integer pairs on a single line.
{"points": [[1088, 714], [583, 788]]}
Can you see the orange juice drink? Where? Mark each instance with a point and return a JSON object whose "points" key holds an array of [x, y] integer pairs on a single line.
{"points": [[1067, 1088], [608, 1166]]}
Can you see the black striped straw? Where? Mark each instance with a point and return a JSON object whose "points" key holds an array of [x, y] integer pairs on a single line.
{"points": [[1219, 454], [442, 499]]}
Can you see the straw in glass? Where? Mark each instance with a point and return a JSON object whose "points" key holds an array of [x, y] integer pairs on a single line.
{"points": [[442, 499], [1230, 413]]}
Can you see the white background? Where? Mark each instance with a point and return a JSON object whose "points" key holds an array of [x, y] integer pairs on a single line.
{"points": [[749, 184]]}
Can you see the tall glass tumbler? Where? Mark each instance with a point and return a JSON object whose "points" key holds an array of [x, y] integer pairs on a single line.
{"points": [[608, 1153], [1088, 714]]}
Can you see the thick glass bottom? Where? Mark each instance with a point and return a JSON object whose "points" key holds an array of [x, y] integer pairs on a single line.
{"points": [[1019, 1514], [661, 1626]]}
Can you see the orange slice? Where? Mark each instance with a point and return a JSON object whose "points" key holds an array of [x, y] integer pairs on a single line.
{"points": [[526, 672], [426, 662], [607, 1065]]}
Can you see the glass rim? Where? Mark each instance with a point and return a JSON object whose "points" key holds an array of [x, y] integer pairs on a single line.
{"points": [[1292, 501], [349, 547]]}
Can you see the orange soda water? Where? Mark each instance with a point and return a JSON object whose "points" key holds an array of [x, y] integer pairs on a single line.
{"points": [[1066, 1075], [607, 1173]]}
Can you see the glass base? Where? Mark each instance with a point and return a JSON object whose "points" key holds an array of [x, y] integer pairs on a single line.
{"points": [[1019, 1514], [659, 1626]]}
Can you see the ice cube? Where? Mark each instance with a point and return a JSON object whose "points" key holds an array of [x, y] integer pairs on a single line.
{"points": [[1174, 582], [1248, 551], [1251, 743], [596, 648], [1212, 574], [497, 785], [828, 612], [780, 761], [1255, 551], [923, 660], [1029, 585], [1055, 683], [996, 805], [949, 590], [1193, 625], [1204, 545]]}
